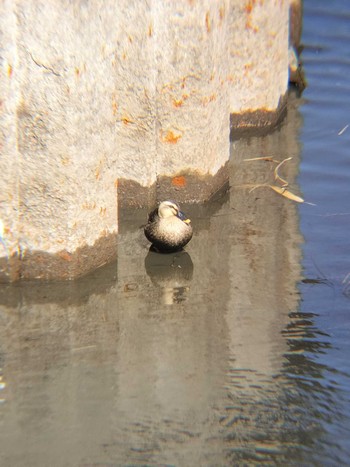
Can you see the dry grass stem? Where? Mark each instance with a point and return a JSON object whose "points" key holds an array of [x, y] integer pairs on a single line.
{"points": [[256, 186], [277, 176], [262, 158], [286, 193], [281, 190]]}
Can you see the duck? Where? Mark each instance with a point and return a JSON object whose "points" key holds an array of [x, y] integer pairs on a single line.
{"points": [[168, 228]]}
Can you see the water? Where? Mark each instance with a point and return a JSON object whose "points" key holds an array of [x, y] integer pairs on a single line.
{"points": [[235, 352]]}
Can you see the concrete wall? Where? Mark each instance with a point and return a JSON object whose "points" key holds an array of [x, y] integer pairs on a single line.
{"points": [[132, 99], [258, 61]]}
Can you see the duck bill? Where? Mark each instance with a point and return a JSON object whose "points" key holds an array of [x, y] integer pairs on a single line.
{"points": [[183, 217]]}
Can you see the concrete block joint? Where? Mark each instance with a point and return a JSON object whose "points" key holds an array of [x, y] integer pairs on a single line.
{"points": [[123, 104]]}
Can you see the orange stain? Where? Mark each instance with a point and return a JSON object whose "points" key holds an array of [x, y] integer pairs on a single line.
{"points": [[177, 102], [65, 255], [65, 160], [9, 70], [126, 120], [89, 205], [207, 22], [116, 183], [179, 181], [170, 137], [222, 13], [207, 99], [249, 8], [114, 105]]}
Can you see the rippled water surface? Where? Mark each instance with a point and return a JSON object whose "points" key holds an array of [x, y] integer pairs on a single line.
{"points": [[233, 352]]}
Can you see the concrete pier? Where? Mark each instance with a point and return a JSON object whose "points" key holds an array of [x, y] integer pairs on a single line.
{"points": [[122, 104]]}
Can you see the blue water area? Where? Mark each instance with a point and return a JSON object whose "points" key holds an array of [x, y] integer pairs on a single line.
{"points": [[325, 180]]}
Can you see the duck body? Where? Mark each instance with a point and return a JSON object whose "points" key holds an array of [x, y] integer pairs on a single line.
{"points": [[168, 228]]}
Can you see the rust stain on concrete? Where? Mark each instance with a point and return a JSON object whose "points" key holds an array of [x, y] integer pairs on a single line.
{"points": [[126, 120], [170, 137], [208, 22], [179, 102], [65, 255], [89, 205], [249, 9], [207, 99], [179, 181], [222, 13], [249, 6], [9, 70], [114, 105]]}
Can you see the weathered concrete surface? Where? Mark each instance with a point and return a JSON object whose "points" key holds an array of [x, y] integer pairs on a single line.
{"points": [[137, 95], [258, 60], [58, 191]]}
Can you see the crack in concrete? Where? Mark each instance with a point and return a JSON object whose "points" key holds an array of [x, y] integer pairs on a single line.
{"points": [[41, 65]]}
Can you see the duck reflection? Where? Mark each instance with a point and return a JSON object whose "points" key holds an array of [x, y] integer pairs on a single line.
{"points": [[172, 273]]}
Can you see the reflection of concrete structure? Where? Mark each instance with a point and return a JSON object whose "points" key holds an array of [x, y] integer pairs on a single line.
{"points": [[109, 370], [265, 266], [122, 99], [265, 255]]}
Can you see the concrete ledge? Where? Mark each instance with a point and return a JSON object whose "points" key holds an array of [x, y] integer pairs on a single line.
{"points": [[258, 122], [62, 265], [192, 187], [185, 187]]}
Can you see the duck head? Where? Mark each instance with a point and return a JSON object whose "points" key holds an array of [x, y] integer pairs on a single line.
{"points": [[171, 208]]}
